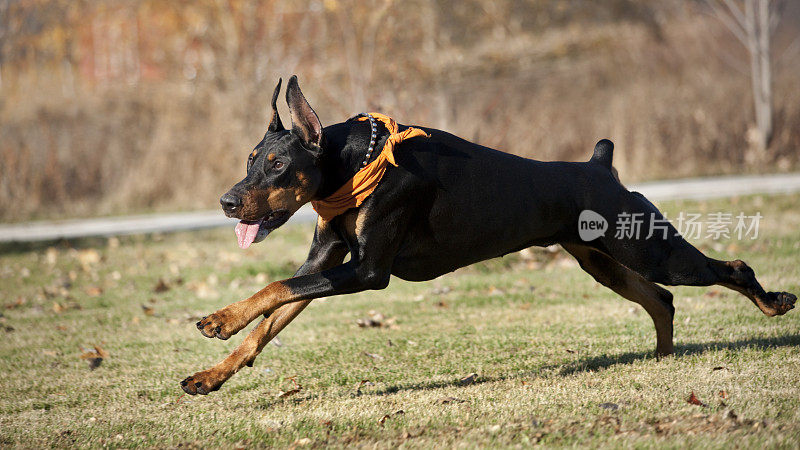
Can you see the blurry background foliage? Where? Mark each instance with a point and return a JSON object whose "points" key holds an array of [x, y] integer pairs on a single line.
{"points": [[137, 105]]}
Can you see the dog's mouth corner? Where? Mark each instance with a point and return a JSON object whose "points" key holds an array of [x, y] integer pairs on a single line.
{"points": [[252, 231]]}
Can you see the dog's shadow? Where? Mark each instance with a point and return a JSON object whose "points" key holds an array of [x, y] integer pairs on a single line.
{"points": [[595, 363]]}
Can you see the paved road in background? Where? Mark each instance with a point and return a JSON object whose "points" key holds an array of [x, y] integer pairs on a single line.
{"points": [[685, 189]]}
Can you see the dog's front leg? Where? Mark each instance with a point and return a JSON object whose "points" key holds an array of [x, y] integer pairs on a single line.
{"points": [[294, 295], [327, 251], [344, 279], [211, 379]]}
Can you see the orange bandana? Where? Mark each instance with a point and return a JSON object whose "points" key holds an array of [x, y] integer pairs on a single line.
{"points": [[358, 188]]}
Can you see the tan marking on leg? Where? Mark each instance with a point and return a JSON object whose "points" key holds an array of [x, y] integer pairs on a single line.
{"points": [[360, 219], [741, 278], [245, 353], [633, 287], [349, 220], [322, 223], [231, 319]]}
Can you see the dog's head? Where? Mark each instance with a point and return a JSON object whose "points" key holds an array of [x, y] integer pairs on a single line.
{"points": [[282, 171]]}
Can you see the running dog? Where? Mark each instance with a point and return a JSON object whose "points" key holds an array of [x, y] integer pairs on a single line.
{"points": [[417, 203]]}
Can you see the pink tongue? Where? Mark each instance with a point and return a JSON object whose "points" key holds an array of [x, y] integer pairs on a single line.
{"points": [[246, 233]]}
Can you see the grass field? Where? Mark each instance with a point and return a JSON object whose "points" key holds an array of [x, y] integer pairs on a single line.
{"points": [[558, 359]]}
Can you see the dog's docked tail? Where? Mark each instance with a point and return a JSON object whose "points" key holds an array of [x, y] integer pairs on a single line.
{"points": [[603, 153]]}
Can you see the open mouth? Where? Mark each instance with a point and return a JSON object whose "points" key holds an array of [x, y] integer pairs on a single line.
{"points": [[250, 231]]}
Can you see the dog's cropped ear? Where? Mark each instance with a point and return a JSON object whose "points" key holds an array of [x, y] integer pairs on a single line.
{"points": [[305, 122], [275, 120]]}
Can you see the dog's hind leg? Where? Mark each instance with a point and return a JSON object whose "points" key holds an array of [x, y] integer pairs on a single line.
{"points": [[673, 261], [656, 300], [734, 275]]}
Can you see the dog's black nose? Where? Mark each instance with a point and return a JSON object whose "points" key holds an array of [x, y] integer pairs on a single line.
{"points": [[230, 202]]}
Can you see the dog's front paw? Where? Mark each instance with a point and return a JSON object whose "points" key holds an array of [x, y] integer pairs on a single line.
{"points": [[222, 325], [203, 382]]}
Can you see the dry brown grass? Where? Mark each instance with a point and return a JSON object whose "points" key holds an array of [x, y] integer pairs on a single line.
{"points": [[560, 360]]}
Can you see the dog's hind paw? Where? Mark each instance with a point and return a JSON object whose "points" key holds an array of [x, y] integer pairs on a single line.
{"points": [[202, 382], [781, 302]]}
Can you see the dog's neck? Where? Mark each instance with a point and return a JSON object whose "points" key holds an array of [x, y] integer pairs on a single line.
{"points": [[345, 147]]}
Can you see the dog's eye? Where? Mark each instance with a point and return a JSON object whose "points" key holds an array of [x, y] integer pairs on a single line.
{"points": [[277, 164]]}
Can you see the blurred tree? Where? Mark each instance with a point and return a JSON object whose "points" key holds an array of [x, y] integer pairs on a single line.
{"points": [[753, 22]]}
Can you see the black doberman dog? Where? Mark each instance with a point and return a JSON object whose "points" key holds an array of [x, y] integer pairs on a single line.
{"points": [[448, 203]]}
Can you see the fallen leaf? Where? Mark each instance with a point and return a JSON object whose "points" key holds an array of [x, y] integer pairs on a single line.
{"points": [[88, 257], [61, 307], [441, 290], [288, 393], [16, 303], [718, 368], [297, 388], [361, 384], [469, 379], [100, 351], [446, 400], [94, 357], [382, 420], [693, 400], [496, 292], [373, 355], [730, 415], [148, 311], [569, 350], [94, 291], [51, 255], [161, 286], [302, 442], [375, 320], [723, 394]]}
